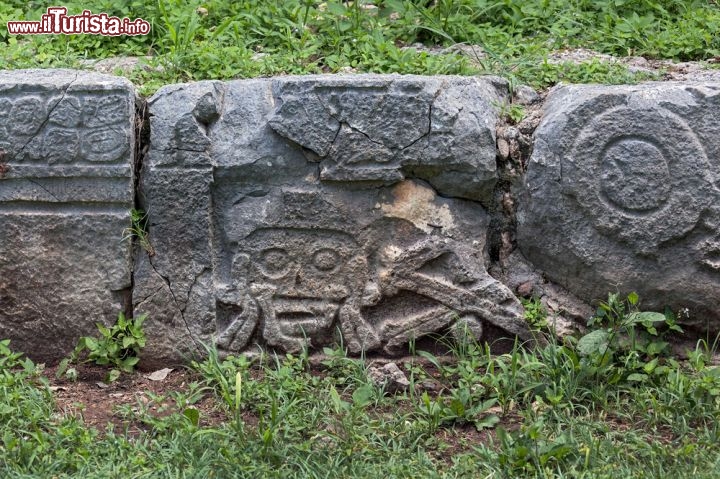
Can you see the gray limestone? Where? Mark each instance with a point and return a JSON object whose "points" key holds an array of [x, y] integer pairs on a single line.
{"points": [[622, 193], [304, 209], [300, 211], [66, 165]]}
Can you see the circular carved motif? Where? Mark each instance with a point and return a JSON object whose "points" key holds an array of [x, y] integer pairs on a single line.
{"points": [[631, 185], [67, 113], [640, 174], [105, 145], [326, 259], [274, 262]]}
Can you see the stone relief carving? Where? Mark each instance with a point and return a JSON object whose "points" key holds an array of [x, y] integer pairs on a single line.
{"points": [[65, 194], [641, 174], [51, 127], [622, 194], [314, 275]]}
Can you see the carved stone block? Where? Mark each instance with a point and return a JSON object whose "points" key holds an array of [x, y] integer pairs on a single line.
{"points": [[66, 166], [300, 210], [623, 193]]}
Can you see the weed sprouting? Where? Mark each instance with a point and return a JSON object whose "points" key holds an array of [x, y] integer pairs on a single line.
{"points": [[138, 229], [535, 313], [118, 346], [564, 408]]}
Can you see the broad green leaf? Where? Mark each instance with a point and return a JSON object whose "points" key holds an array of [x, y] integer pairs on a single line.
{"points": [[487, 422], [637, 377], [131, 361], [457, 407], [71, 374], [362, 395], [633, 298], [338, 404], [113, 375], [650, 367], [193, 415], [593, 342], [62, 367], [647, 317], [488, 404], [103, 330], [656, 347], [88, 343]]}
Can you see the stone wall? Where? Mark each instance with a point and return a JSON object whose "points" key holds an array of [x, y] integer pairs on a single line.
{"points": [[372, 209], [66, 189]]}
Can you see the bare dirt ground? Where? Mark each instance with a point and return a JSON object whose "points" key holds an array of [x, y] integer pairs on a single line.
{"points": [[101, 405]]}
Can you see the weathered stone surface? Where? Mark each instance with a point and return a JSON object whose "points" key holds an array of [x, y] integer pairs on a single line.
{"points": [[622, 194], [282, 211], [390, 378], [66, 156], [386, 128]]}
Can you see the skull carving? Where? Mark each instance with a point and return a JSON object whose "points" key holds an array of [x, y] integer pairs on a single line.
{"points": [[301, 282]]}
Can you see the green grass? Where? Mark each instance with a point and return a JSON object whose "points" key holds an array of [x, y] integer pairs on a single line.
{"points": [[583, 408], [194, 39]]}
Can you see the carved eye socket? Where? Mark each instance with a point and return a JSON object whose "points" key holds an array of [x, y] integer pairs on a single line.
{"points": [[326, 259], [291, 109], [274, 262]]}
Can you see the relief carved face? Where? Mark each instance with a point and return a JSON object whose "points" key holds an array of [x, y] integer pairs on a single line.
{"points": [[301, 278], [302, 264]]}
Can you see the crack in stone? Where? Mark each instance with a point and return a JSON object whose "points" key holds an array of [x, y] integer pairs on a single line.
{"points": [[204, 270], [430, 113], [43, 188], [397, 151], [146, 298], [344, 123], [502, 232], [47, 118], [379, 143], [179, 309]]}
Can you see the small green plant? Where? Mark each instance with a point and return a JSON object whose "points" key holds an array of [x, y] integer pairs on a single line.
{"points": [[139, 229], [511, 112], [627, 342], [528, 452], [535, 312], [345, 370], [170, 412], [225, 376], [118, 346]]}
